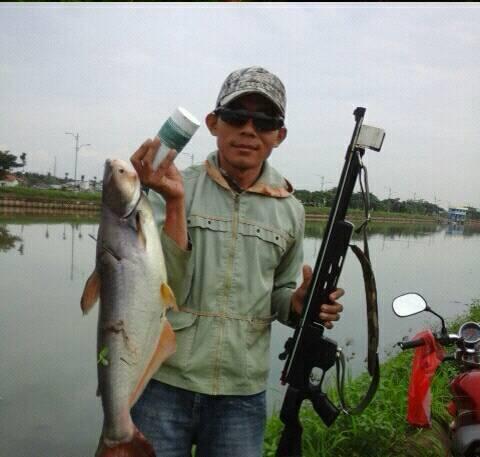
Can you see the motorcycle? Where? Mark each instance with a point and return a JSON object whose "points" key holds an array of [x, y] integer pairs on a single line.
{"points": [[464, 387]]}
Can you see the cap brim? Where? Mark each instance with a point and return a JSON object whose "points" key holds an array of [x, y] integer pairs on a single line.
{"points": [[230, 97]]}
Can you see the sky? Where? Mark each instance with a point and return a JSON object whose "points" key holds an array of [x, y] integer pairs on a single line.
{"points": [[113, 73]]}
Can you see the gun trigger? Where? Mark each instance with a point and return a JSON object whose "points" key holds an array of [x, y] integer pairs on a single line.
{"points": [[288, 348]]}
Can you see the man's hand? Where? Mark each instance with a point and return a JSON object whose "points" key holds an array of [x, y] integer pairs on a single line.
{"points": [[166, 180], [328, 312]]}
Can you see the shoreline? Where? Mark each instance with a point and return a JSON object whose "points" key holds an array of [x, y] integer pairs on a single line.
{"points": [[26, 205], [21, 205], [310, 217]]}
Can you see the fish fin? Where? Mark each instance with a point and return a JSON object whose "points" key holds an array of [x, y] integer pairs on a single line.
{"points": [[168, 297], [91, 292], [165, 348], [140, 233], [137, 447]]}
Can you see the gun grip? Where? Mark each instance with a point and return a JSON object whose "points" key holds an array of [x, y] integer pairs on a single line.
{"points": [[327, 411]]}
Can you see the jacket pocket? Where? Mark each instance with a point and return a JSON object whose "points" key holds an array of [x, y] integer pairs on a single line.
{"points": [[180, 320], [216, 224], [258, 349], [184, 328], [263, 246], [274, 237]]}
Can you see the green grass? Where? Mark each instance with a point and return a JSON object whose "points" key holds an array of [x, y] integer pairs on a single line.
{"points": [[49, 194], [381, 430], [360, 214]]}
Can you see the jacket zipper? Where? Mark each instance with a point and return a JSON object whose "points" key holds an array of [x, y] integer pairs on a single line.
{"points": [[231, 256], [228, 286]]}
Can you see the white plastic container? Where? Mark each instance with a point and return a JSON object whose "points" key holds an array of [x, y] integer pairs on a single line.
{"points": [[175, 133]]}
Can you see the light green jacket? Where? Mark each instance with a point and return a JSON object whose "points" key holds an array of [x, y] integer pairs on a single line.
{"points": [[237, 278]]}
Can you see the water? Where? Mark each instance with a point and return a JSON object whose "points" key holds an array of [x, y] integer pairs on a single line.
{"points": [[48, 381]]}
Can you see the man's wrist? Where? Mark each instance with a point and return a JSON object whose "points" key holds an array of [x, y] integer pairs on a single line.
{"points": [[175, 221], [175, 204]]}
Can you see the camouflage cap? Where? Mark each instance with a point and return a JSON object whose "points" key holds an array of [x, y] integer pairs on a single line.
{"points": [[253, 79]]}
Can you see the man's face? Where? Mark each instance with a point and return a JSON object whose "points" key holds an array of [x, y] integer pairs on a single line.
{"points": [[244, 147]]}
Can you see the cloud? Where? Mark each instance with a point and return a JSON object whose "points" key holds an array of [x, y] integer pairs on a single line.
{"points": [[113, 73]]}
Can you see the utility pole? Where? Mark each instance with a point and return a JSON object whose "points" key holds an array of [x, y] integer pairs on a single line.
{"points": [[77, 148], [323, 182], [437, 208], [389, 198]]}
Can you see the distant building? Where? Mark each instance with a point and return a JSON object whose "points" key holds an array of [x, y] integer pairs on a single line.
{"points": [[457, 215], [9, 181], [69, 185], [96, 186], [41, 185], [84, 185]]}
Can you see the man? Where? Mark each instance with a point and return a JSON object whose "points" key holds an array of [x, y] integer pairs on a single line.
{"points": [[233, 242]]}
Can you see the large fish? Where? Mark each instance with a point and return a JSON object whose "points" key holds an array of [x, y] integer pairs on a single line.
{"points": [[134, 336]]}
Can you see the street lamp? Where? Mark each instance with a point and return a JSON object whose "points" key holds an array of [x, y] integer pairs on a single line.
{"points": [[77, 148]]}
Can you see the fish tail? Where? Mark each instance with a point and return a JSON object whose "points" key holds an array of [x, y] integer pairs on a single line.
{"points": [[137, 447]]}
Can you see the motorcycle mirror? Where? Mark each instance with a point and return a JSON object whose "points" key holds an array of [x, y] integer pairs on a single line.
{"points": [[408, 305]]}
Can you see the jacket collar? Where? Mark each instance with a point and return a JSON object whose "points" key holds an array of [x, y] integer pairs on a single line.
{"points": [[270, 182]]}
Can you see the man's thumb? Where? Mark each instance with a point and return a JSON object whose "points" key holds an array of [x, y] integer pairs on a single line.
{"points": [[307, 275]]}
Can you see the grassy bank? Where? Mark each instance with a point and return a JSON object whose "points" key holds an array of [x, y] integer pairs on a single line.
{"points": [[315, 212], [49, 194], [95, 197], [381, 430]]}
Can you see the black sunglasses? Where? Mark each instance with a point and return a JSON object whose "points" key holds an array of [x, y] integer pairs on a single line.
{"points": [[239, 117]]}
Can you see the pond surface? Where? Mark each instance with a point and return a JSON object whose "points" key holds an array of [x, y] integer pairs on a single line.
{"points": [[48, 381]]}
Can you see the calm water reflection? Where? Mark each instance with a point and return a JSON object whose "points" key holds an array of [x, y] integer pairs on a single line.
{"points": [[47, 348]]}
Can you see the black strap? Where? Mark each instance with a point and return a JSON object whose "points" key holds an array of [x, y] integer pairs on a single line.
{"points": [[372, 312], [372, 307], [368, 397], [373, 337], [368, 276]]}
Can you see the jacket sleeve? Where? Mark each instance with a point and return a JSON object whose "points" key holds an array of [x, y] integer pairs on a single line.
{"points": [[178, 262], [286, 275]]}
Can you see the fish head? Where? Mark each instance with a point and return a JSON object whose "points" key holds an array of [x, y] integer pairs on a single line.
{"points": [[121, 187]]}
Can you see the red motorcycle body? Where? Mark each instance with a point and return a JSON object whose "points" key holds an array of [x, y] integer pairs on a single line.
{"points": [[465, 408], [465, 390]]}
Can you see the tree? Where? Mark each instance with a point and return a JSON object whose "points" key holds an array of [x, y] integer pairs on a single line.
{"points": [[23, 158], [7, 161], [473, 213]]}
